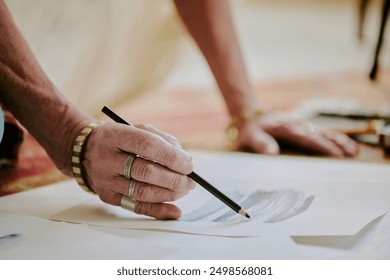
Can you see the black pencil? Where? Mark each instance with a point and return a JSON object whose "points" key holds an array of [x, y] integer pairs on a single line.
{"points": [[218, 194], [214, 191]]}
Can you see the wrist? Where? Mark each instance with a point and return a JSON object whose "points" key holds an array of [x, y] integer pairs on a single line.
{"points": [[239, 120], [66, 132], [78, 152]]}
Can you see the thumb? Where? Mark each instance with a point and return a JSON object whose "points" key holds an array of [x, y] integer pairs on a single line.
{"points": [[260, 142]]}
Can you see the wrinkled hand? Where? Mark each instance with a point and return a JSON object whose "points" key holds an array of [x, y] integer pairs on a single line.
{"points": [[263, 133], [160, 172]]}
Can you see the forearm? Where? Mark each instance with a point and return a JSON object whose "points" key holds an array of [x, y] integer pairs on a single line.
{"points": [[28, 93], [210, 24]]}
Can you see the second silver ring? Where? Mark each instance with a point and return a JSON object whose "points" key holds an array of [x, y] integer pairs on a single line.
{"points": [[132, 188], [128, 164]]}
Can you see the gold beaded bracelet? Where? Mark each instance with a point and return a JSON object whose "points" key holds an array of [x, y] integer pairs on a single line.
{"points": [[78, 156], [232, 128]]}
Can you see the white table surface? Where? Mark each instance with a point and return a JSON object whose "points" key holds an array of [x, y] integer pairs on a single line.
{"points": [[371, 242]]}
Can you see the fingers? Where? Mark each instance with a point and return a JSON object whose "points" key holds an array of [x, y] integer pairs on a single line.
{"points": [[153, 146], [349, 147], [261, 135], [168, 137], [159, 172], [317, 143], [146, 192], [151, 193], [151, 173], [160, 211], [263, 143], [148, 145], [156, 174], [148, 199], [257, 140], [321, 141], [325, 142]]}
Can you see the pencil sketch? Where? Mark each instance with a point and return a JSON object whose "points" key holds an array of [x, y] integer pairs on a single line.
{"points": [[269, 206]]}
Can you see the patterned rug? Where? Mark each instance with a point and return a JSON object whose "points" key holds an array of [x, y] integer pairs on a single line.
{"points": [[197, 117], [34, 168]]}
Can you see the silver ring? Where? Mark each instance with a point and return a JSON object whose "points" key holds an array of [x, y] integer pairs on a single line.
{"points": [[131, 188], [127, 203], [127, 167]]}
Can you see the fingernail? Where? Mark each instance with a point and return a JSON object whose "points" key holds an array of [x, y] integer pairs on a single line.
{"points": [[272, 149], [339, 154], [352, 151], [174, 214]]}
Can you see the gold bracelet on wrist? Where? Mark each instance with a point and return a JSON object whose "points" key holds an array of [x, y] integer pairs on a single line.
{"points": [[232, 128], [78, 156]]}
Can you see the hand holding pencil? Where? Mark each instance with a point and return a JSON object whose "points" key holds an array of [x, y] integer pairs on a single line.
{"points": [[137, 183], [214, 191]]}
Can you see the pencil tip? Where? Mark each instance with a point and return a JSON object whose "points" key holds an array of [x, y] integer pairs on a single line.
{"points": [[244, 213]]}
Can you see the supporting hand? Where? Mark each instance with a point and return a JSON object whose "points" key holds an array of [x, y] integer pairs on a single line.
{"points": [[262, 134]]}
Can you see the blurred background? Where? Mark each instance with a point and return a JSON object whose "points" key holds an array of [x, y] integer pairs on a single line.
{"points": [[295, 39], [100, 52], [303, 56]]}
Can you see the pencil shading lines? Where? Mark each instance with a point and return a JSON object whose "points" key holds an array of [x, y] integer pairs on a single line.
{"points": [[280, 206], [268, 206], [212, 208]]}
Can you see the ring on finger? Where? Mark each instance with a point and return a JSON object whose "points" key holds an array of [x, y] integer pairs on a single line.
{"points": [[128, 164], [127, 203], [132, 188]]}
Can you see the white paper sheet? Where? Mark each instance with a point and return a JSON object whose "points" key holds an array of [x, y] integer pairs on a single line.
{"points": [[26, 237], [202, 247], [341, 197], [370, 243], [347, 196], [44, 202], [35, 238]]}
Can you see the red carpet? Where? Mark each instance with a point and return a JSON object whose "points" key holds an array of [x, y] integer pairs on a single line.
{"points": [[34, 169]]}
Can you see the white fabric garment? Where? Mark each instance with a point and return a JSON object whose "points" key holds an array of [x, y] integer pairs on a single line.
{"points": [[101, 52]]}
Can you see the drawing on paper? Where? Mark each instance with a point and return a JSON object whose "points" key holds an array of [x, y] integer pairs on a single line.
{"points": [[269, 206]]}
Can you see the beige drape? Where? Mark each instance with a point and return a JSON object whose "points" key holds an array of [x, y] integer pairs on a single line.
{"points": [[101, 52]]}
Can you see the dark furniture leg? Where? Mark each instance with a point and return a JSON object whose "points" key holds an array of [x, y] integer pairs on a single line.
{"points": [[385, 13]]}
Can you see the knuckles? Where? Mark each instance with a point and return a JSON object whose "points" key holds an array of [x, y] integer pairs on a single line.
{"points": [[145, 170], [156, 194], [144, 208], [109, 197]]}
